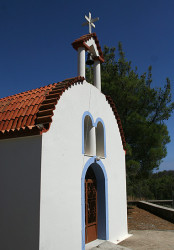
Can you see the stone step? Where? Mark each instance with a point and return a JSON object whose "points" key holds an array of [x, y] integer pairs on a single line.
{"points": [[106, 245]]}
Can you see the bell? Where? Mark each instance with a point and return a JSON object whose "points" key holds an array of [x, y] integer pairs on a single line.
{"points": [[89, 60]]}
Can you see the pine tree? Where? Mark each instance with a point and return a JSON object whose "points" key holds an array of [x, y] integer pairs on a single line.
{"points": [[143, 111]]}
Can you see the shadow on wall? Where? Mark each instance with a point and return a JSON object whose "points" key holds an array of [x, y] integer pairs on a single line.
{"points": [[20, 193]]}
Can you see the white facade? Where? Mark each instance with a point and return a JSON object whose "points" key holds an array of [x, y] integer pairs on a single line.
{"points": [[63, 164], [41, 178]]}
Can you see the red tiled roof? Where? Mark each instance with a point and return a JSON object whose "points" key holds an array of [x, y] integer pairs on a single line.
{"points": [[30, 112], [110, 101], [81, 42]]}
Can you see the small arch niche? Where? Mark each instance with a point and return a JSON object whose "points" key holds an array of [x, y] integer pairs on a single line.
{"points": [[89, 137], [100, 152]]}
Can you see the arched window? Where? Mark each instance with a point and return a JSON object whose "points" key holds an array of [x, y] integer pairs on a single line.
{"points": [[100, 151], [93, 136], [89, 137]]}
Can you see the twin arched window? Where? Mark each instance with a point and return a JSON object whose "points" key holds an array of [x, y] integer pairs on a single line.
{"points": [[93, 136]]}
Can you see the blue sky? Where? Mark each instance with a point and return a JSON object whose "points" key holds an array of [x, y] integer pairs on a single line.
{"points": [[36, 37]]}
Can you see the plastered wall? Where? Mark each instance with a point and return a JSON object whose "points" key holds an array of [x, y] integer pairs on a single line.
{"points": [[62, 166], [20, 161]]}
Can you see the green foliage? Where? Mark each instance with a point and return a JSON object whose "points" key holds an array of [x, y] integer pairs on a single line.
{"points": [[159, 186], [142, 109]]}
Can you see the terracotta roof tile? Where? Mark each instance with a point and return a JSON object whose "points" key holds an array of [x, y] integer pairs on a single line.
{"points": [[35, 101], [11, 115], [14, 123], [24, 121], [29, 120], [16, 111], [1, 125], [81, 42], [35, 109], [3, 116], [20, 112], [25, 108], [30, 112], [18, 125], [5, 125], [9, 125]]}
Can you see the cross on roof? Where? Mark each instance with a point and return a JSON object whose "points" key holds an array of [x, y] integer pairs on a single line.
{"points": [[90, 22]]}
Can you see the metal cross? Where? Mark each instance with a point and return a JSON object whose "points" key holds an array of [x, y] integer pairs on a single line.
{"points": [[90, 22]]}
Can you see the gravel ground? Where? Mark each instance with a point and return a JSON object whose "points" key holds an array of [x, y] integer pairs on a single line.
{"points": [[139, 219], [150, 232], [150, 240]]}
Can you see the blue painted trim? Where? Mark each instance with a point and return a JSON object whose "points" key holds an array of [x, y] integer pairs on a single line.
{"points": [[88, 163], [95, 125]]}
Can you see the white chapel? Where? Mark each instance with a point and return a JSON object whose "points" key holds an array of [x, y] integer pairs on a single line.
{"points": [[62, 162]]}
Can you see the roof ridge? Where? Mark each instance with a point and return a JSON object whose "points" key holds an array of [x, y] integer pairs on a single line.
{"points": [[30, 90], [51, 100], [31, 114], [83, 39], [42, 87]]}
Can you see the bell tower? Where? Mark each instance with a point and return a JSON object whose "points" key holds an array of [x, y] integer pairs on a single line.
{"points": [[89, 43]]}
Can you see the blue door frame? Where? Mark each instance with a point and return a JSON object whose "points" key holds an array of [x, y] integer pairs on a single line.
{"points": [[101, 176]]}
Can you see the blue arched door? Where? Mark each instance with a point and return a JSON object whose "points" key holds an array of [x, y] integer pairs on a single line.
{"points": [[102, 229]]}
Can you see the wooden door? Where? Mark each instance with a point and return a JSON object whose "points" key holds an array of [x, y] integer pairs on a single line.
{"points": [[90, 210]]}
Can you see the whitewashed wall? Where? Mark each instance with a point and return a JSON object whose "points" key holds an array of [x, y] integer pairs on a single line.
{"points": [[62, 166], [20, 162]]}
